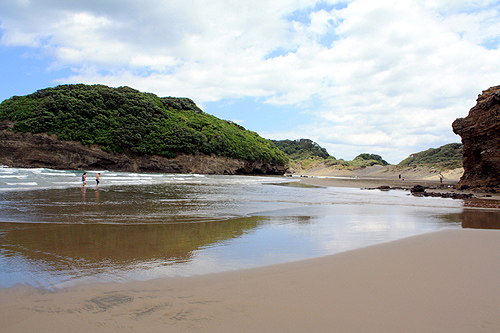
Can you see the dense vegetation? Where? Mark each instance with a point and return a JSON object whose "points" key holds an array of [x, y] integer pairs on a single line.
{"points": [[372, 159], [124, 120], [301, 149], [445, 157]]}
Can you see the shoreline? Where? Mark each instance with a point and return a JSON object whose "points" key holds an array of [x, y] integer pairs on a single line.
{"points": [[440, 281], [431, 185]]}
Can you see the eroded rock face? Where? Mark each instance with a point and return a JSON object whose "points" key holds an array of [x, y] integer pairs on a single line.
{"points": [[480, 132], [27, 150]]}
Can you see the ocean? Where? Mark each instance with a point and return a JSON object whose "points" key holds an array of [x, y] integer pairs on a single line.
{"points": [[55, 232]]}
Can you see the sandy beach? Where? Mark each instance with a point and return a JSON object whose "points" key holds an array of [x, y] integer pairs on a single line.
{"points": [[446, 281]]}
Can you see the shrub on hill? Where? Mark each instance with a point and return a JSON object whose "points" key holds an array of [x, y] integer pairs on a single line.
{"points": [[371, 159], [124, 120], [301, 149], [445, 157]]}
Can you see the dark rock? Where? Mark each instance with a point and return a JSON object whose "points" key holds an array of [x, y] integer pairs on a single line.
{"points": [[417, 189], [450, 195], [480, 133]]}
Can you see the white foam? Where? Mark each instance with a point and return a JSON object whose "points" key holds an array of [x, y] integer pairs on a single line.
{"points": [[68, 174], [37, 170], [129, 178], [128, 182]]}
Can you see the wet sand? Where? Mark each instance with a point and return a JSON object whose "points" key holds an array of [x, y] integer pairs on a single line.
{"points": [[446, 281]]}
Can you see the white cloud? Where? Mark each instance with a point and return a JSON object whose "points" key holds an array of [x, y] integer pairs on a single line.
{"points": [[386, 76]]}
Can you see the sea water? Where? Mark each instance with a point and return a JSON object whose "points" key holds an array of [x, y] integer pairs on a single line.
{"points": [[54, 231]]}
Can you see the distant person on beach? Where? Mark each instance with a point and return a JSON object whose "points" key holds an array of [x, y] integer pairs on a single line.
{"points": [[97, 178], [84, 179], [440, 177], [400, 176]]}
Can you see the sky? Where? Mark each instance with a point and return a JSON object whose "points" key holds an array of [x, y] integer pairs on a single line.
{"points": [[386, 77]]}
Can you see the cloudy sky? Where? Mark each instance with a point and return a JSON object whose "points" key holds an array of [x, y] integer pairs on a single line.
{"points": [[361, 76]]}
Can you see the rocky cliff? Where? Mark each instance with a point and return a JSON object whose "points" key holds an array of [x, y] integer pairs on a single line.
{"points": [[27, 150], [480, 132]]}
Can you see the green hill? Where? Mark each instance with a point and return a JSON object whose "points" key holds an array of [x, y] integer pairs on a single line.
{"points": [[124, 120], [445, 157], [301, 149], [371, 159]]}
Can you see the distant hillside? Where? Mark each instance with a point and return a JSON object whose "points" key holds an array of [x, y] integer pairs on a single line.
{"points": [[124, 120], [306, 155], [372, 159], [446, 157], [301, 149]]}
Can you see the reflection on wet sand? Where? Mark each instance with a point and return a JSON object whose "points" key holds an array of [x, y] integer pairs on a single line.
{"points": [[75, 246], [481, 219], [478, 214], [484, 215]]}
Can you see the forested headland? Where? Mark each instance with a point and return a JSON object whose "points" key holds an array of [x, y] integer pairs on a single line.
{"points": [[125, 120]]}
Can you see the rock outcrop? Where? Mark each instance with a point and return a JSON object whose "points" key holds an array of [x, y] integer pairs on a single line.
{"points": [[480, 132], [27, 150]]}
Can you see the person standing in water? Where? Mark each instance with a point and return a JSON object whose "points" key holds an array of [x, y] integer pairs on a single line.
{"points": [[84, 179], [97, 179]]}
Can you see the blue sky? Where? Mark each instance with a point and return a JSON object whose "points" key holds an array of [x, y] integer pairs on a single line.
{"points": [[361, 76]]}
